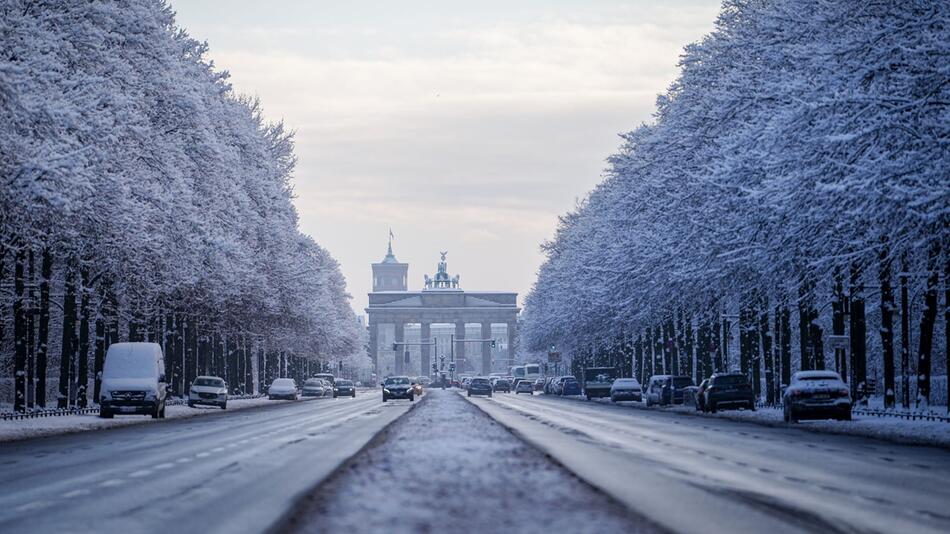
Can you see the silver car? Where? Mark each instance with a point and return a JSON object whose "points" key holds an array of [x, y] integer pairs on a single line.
{"points": [[209, 391]]}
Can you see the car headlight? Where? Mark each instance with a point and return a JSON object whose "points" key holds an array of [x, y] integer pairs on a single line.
{"points": [[105, 395], [386, 390]]}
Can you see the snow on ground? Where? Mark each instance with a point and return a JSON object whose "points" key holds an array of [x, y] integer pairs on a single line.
{"points": [[895, 429], [65, 424], [446, 466]]}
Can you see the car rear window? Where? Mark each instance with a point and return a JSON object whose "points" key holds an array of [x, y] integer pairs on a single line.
{"points": [[344, 383], [480, 381], [729, 380], [682, 382]]}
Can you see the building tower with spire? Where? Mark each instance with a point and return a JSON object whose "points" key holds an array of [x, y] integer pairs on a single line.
{"points": [[389, 274]]}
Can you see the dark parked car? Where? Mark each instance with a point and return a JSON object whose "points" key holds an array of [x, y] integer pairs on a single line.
{"points": [[728, 390], [398, 387], [569, 385], [344, 388], [502, 384], [817, 395], [479, 386]]}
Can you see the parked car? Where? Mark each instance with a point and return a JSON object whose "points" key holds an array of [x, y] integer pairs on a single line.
{"points": [[133, 381], [626, 389], [817, 395], [502, 384], [464, 382], [479, 386], [539, 384], [282, 388], [656, 390], [728, 390], [316, 387], [524, 386], [597, 381], [568, 385], [344, 388], [208, 391], [701, 395], [398, 387], [547, 385]]}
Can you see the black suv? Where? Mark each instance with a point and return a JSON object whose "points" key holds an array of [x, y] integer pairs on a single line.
{"points": [[728, 390], [479, 386]]}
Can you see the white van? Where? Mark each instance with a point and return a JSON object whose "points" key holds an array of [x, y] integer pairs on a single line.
{"points": [[133, 380]]}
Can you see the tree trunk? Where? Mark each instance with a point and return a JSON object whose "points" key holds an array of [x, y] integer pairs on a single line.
{"points": [[927, 321], [686, 326], [82, 373], [726, 338], [42, 351], [767, 354], [638, 357], [804, 332], [30, 333], [715, 331], [69, 332], [669, 349], [786, 351], [651, 369], [99, 355], [837, 327], [19, 333], [859, 327], [746, 316], [946, 323], [887, 328], [905, 336]]}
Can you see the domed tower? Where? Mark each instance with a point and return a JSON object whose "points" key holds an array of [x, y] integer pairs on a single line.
{"points": [[389, 274]]}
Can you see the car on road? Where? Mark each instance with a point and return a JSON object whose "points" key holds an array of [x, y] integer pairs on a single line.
{"points": [[316, 387], [728, 390], [208, 391], [133, 381], [568, 385], [344, 388], [547, 385], [597, 381], [701, 395], [479, 386], [626, 389], [398, 387], [282, 388], [539, 384], [524, 386], [816, 395], [502, 384]]}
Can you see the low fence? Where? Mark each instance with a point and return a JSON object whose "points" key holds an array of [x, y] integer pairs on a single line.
{"points": [[56, 412]]}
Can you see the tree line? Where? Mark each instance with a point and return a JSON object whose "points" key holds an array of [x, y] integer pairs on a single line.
{"points": [[143, 199], [789, 197]]}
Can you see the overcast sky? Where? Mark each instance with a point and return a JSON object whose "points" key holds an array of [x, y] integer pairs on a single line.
{"points": [[464, 126]]}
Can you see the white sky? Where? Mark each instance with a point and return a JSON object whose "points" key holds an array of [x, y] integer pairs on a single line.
{"points": [[465, 126]]}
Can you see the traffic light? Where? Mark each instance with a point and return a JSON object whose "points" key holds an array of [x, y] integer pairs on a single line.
{"points": [[395, 347], [435, 368], [407, 360], [341, 365], [493, 343]]}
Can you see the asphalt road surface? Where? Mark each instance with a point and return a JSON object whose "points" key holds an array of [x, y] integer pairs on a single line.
{"points": [[224, 472], [703, 474]]}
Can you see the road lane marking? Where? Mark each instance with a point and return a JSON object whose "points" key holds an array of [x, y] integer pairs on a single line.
{"points": [[76, 493], [141, 473], [112, 483]]}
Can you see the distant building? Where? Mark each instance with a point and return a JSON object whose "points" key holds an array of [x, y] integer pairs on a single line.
{"points": [[424, 323]]}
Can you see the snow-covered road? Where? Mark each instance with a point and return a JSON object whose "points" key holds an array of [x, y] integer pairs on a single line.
{"points": [[694, 474], [224, 472], [446, 467]]}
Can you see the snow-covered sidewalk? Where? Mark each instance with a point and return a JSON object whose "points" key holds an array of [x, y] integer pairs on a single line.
{"points": [[895, 429], [65, 424], [446, 466]]}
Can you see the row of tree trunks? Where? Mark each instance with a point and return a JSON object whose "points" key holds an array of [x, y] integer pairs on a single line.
{"points": [[928, 319], [859, 360]]}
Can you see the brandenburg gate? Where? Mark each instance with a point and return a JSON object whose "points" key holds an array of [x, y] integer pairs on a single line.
{"points": [[441, 302]]}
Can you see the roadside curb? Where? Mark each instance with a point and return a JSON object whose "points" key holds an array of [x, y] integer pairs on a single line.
{"points": [[143, 420], [287, 520]]}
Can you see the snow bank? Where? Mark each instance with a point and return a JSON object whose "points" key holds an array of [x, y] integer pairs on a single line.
{"points": [[67, 424]]}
